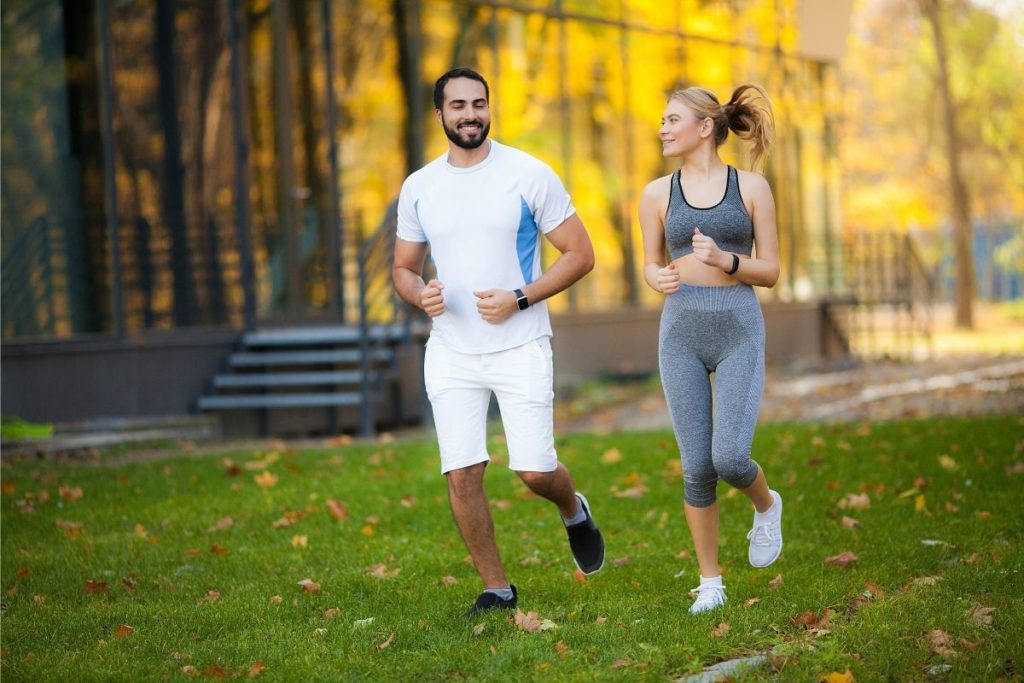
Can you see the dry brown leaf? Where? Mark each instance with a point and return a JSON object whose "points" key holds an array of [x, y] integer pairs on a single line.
{"points": [[211, 597], [224, 523], [39, 599], [843, 560], [332, 613], [21, 572], [611, 456], [408, 501], [503, 504], [579, 576], [309, 586], [600, 619], [531, 622], [836, 677], [265, 479], [720, 630], [368, 530], [189, 671], [855, 501], [980, 615], [123, 631], [776, 582], [256, 669], [448, 580], [216, 671], [619, 663], [750, 602], [387, 643], [381, 571], [479, 628], [561, 647], [300, 541], [940, 641], [620, 561], [634, 492], [850, 522], [276, 599], [68, 493], [338, 509], [93, 586], [218, 550]]}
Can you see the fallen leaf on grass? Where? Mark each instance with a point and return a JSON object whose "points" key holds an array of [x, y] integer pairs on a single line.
{"points": [[276, 599], [448, 580], [309, 586], [926, 580], [1016, 468], [479, 628], [337, 509], [947, 463], [216, 671], [579, 576], [843, 560], [855, 501], [39, 599], [408, 501], [634, 492], [381, 571], [503, 504], [611, 456], [123, 631], [210, 597], [776, 582], [561, 648], [940, 641], [920, 505], [93, 586], [531, 622], [218, 550], [300, 541], [836, 677], [263, 463], [600, 619], [387, 643], [620, 561], [189, 671], [332, 613], [750, 602], [256, 669], [850, 522], [980, 615], [223, 524], [720, 630], [265, 479], [619, 663], [71, 529], [68, 493]]}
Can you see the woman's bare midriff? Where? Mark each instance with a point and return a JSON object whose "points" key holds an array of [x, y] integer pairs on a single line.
{"points": [[693, 272]]}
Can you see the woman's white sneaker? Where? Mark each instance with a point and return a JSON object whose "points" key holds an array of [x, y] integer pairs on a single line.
{"points": [[766, 535], [708, 598]]}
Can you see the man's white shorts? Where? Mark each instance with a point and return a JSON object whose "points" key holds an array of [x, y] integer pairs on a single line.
{"points": [[459, 386]]}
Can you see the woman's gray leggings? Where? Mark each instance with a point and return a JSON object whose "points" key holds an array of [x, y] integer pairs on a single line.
{"points": [[719, 330]]}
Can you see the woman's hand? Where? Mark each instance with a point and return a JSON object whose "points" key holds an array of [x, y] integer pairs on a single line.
{"points": [[707, 252], [668, 279]]}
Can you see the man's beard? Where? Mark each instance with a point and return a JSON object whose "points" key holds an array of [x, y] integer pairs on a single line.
{"points": [[464, 143]]}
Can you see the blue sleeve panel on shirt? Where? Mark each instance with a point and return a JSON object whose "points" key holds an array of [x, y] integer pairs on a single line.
{"points": [[526, 241]]}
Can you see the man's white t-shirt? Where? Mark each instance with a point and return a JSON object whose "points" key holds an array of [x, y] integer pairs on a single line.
{"points": [[483, 224]]}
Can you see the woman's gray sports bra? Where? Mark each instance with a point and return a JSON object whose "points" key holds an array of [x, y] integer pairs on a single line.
{"points": [[727, 222]]}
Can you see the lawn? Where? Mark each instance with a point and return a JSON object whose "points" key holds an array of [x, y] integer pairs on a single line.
{"points": [[341, 562]]}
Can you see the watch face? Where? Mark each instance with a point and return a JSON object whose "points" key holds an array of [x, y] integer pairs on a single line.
{"points": [[523, 303]]}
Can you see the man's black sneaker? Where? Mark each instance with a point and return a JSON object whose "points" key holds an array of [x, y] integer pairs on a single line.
{"points": [[488, 601], [586, 542]]}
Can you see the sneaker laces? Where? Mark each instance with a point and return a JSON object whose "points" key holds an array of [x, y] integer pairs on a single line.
{"points": [[708, 597], [762, 534]]}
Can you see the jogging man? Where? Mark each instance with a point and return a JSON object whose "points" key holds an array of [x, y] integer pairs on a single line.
{"points": [[480, 209]]}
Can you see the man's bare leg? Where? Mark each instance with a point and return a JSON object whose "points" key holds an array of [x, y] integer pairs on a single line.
{"points": [[473, 517]]}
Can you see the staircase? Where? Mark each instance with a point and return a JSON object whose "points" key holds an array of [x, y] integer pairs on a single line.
{"points": [[329, 366], [312, 367]]}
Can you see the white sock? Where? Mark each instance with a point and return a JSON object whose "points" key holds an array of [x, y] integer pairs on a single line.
{"points": [[580, 516], [715, 581], [503, 593]]}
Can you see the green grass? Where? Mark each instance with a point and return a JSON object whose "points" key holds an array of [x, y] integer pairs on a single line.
{"points": [[628, 622]]}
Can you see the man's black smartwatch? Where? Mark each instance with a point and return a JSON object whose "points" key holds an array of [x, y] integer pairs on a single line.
{"points": [[521, 300]]}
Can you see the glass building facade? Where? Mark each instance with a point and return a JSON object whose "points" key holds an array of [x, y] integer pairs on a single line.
{"points": [[170, 164]]}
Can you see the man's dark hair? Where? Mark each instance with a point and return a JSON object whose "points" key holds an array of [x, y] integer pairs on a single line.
{"points": [[460, 72]]}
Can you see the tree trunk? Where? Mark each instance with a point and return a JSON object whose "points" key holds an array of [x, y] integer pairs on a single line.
{"points": [[965, 279]]}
